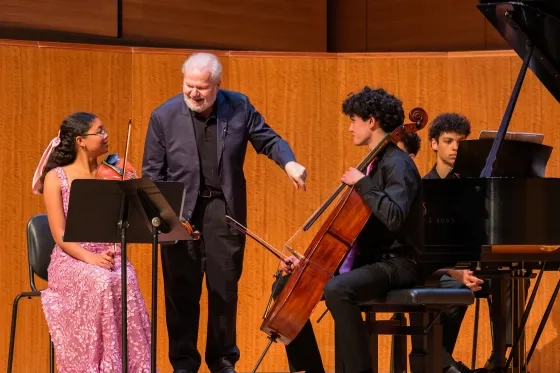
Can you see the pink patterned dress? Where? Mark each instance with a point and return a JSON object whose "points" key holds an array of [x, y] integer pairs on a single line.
{"points": [[82, 305]]}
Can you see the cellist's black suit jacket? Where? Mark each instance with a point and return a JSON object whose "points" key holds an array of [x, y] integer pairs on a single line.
{"points": [[170, 151]]}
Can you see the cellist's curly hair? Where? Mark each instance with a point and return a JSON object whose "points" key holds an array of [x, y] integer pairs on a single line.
{"points": [[377, 103], [74, 125]]}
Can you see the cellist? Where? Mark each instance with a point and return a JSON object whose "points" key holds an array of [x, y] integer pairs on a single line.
{"points": [[384, 255]]}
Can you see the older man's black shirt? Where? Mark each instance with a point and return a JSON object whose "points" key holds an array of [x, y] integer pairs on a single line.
{"points": [[393, 191], [207, 141]]}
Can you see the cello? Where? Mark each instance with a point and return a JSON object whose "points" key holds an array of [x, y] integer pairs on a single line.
{"points": [[304, 289], [114, 167]]}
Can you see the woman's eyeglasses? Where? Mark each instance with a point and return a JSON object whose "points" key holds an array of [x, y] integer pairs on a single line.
{"points": [[101, 133]]}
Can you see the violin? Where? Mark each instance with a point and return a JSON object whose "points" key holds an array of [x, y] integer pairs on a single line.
{"points": [[112, 169], [304, 289]]}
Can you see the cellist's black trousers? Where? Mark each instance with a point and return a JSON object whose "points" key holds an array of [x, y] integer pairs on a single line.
{"points": [[342, 294]]}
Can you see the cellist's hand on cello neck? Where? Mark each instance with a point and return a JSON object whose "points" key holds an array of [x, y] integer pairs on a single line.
{"points": [[352, 176], [290, 264]]}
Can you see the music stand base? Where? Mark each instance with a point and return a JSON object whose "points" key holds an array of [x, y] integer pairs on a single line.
{"points": [[155, 233], [271, 340], [123, 225]]}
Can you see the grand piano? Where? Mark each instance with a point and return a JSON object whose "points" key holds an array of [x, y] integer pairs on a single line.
{"points": [[501, 217]]}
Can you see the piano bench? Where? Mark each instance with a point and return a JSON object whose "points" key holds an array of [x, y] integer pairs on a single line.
{"points": [[424, 304]]}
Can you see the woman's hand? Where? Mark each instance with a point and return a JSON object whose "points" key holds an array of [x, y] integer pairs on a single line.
{"points": [[106, 259]]}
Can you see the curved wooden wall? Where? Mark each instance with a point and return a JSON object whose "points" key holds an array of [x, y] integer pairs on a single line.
{"points": [[300, 95]]}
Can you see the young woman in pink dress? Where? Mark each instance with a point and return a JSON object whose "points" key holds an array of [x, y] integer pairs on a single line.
{"points": [[82, 303]]}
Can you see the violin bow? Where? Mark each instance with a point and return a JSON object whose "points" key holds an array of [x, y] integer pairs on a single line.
{"points": [[126, 148]]}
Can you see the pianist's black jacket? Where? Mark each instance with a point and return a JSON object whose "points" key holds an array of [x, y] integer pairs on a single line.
{"points": [[425, 269]]}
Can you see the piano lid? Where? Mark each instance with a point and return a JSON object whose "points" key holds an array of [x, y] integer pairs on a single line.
{"points": [[516, 158], [535, 21]]}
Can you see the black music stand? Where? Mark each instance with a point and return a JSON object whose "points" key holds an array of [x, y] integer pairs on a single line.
{"points": [[127, 211]]}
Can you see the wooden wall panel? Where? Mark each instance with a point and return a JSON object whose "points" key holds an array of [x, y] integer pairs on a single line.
{"points": [[311, 26], [347, 22], [246, 25], [400, 25], [92, 17], [409, 26], [300, 95], [19, 96]]}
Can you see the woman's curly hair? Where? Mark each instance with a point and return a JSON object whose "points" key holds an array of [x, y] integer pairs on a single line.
{"points": [[377, 103], [74, 125]]}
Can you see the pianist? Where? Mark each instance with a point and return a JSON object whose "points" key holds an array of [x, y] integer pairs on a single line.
{"points": [[445, 133], [449, 129]]}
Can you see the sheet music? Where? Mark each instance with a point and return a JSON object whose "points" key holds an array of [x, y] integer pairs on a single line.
{"points": [[536, 138]]}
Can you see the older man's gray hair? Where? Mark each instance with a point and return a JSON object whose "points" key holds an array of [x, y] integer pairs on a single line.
{"points": [[204, 61]]}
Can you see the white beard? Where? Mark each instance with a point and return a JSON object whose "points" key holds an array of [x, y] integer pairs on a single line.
{"points": [[197, 108]]}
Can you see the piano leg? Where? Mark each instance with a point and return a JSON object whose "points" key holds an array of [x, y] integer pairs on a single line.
{"points": [[498, 313], [520, 314], [518, 295], [521, 284]]}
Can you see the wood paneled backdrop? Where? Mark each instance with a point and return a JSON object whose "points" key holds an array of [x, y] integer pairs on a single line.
{"points": [[296, 26], [300, 95]]}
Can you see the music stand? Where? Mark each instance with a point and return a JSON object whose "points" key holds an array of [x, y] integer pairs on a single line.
{"points": [[127, 211]]}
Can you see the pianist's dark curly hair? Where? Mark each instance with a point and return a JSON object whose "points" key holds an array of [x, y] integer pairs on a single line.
{"points": [[449, 122], [411, 143], [376, 103]]}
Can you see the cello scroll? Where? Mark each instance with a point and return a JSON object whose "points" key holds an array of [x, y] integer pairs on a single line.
{"points": [[419, 119]]}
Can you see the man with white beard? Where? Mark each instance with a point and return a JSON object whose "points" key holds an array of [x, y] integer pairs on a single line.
{"points": [[200, 137]]}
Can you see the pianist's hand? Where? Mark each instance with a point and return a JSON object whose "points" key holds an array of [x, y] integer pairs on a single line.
{"points": [[467, 278], [289, 268]]}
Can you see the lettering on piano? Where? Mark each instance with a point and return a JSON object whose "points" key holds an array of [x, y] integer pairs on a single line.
{"points": [[441, 221], [438, 219]]}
